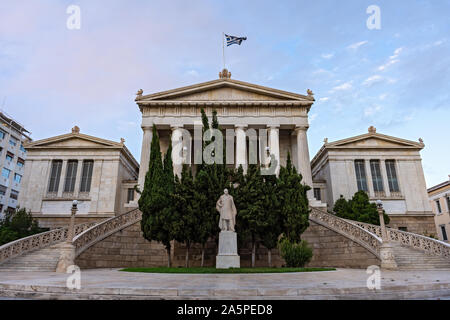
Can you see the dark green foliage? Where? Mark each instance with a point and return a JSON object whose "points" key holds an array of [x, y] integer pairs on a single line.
{"points": [[296, 255], [186, 208], [359, 208], [271, 214], [17, 225], [294, 204], [155, 202]]}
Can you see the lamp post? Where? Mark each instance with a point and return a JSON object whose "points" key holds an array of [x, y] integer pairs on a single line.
{"points": [[71, 231], [386, 250], [67, 249], [382, 225]]}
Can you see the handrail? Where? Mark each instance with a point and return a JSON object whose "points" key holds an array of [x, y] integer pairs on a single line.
{"points": [[349, 229], [38, 241], [417, 241], [95, 234]]}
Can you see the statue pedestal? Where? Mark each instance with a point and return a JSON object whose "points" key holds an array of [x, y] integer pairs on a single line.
{"points": [[228, 257]]}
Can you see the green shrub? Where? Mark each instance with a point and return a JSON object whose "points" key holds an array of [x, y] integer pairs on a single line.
{"points": [[296, 255]]}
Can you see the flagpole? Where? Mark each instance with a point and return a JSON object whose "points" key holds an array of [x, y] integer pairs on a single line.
{"points": [[223, 49]]}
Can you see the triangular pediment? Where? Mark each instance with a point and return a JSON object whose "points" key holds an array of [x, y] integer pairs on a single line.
{"points": [[225, 90], [74, 140], [374, 140]]}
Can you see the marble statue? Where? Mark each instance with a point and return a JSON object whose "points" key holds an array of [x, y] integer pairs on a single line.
{"points": [[225, 205]]}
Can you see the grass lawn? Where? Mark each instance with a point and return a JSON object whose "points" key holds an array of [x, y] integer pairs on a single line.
{"points": [[233, 270]]}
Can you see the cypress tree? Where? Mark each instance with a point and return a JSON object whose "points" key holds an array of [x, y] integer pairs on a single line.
{"points": [[157, 222], [294, 202], [186, 209], [250, 203], [271, 215]]}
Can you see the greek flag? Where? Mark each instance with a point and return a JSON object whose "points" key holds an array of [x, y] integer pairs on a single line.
{"points": [[234, 40]]}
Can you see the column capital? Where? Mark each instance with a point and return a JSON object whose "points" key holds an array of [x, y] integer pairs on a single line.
{"points": [[147, 128], [273, 126], [176, 127], [241, 126], [301, 128]]}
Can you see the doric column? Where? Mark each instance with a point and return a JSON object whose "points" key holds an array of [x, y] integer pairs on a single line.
{"points": [[76, 190], [62, 179], [303, 160], [384, 176], [369, 179], [145, 156], [177, 150], [274, 144], [241, 147]]}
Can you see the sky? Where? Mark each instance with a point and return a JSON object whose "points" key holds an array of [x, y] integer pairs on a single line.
{"points": [[396, 78]]}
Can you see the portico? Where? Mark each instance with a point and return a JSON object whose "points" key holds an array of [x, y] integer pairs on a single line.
{"points": [[260, 122]]}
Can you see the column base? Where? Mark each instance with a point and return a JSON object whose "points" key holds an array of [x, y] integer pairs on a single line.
{"points": [[387, 256], [66, 258]]}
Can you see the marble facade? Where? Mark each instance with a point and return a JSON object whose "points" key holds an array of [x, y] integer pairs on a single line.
{"points": [[405, 199], [113, 166], [278, 121]]}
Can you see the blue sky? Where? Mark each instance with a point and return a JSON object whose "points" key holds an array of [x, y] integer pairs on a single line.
{"points": [[396, 78]]}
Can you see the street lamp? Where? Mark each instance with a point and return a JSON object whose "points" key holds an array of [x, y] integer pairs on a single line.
{"points": [[70, 233], [382, 225], [67, 249]]}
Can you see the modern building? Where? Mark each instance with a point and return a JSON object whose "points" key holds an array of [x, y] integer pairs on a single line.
{"points": [[96, 172], [440, 203], [386, 167], [13, 135]]}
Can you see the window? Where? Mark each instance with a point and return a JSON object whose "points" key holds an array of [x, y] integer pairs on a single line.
{"points": [[403, 229], [22, 148], [55, 176], [14, 194], [444, 233], [86, 176], [448, 203], [438, 206], [376, 176], [13, 141], [9, 156], [2, 134], [20, 163], [2, 190], [71, 176], [392, 176], [130, 195], [317, 194], [361, 179], [17, 177], [6, 172]]}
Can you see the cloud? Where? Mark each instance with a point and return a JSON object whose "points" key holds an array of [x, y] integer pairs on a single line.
{"points": [[312, 117], [324, 99], [343, 87], [328, 55], [356, 45], [383, 96], [372, 110], [372, 80], [392, 60]]}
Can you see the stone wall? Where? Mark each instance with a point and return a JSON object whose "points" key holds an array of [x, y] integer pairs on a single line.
{"points": [[424, 225], [128, 248]]}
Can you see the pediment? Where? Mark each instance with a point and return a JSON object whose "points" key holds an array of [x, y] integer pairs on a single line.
{"points": [[225, 90], [374, 141], [73, 140]]}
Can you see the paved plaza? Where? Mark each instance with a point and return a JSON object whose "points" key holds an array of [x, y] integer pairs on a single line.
{"points": [[339, 284]]}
